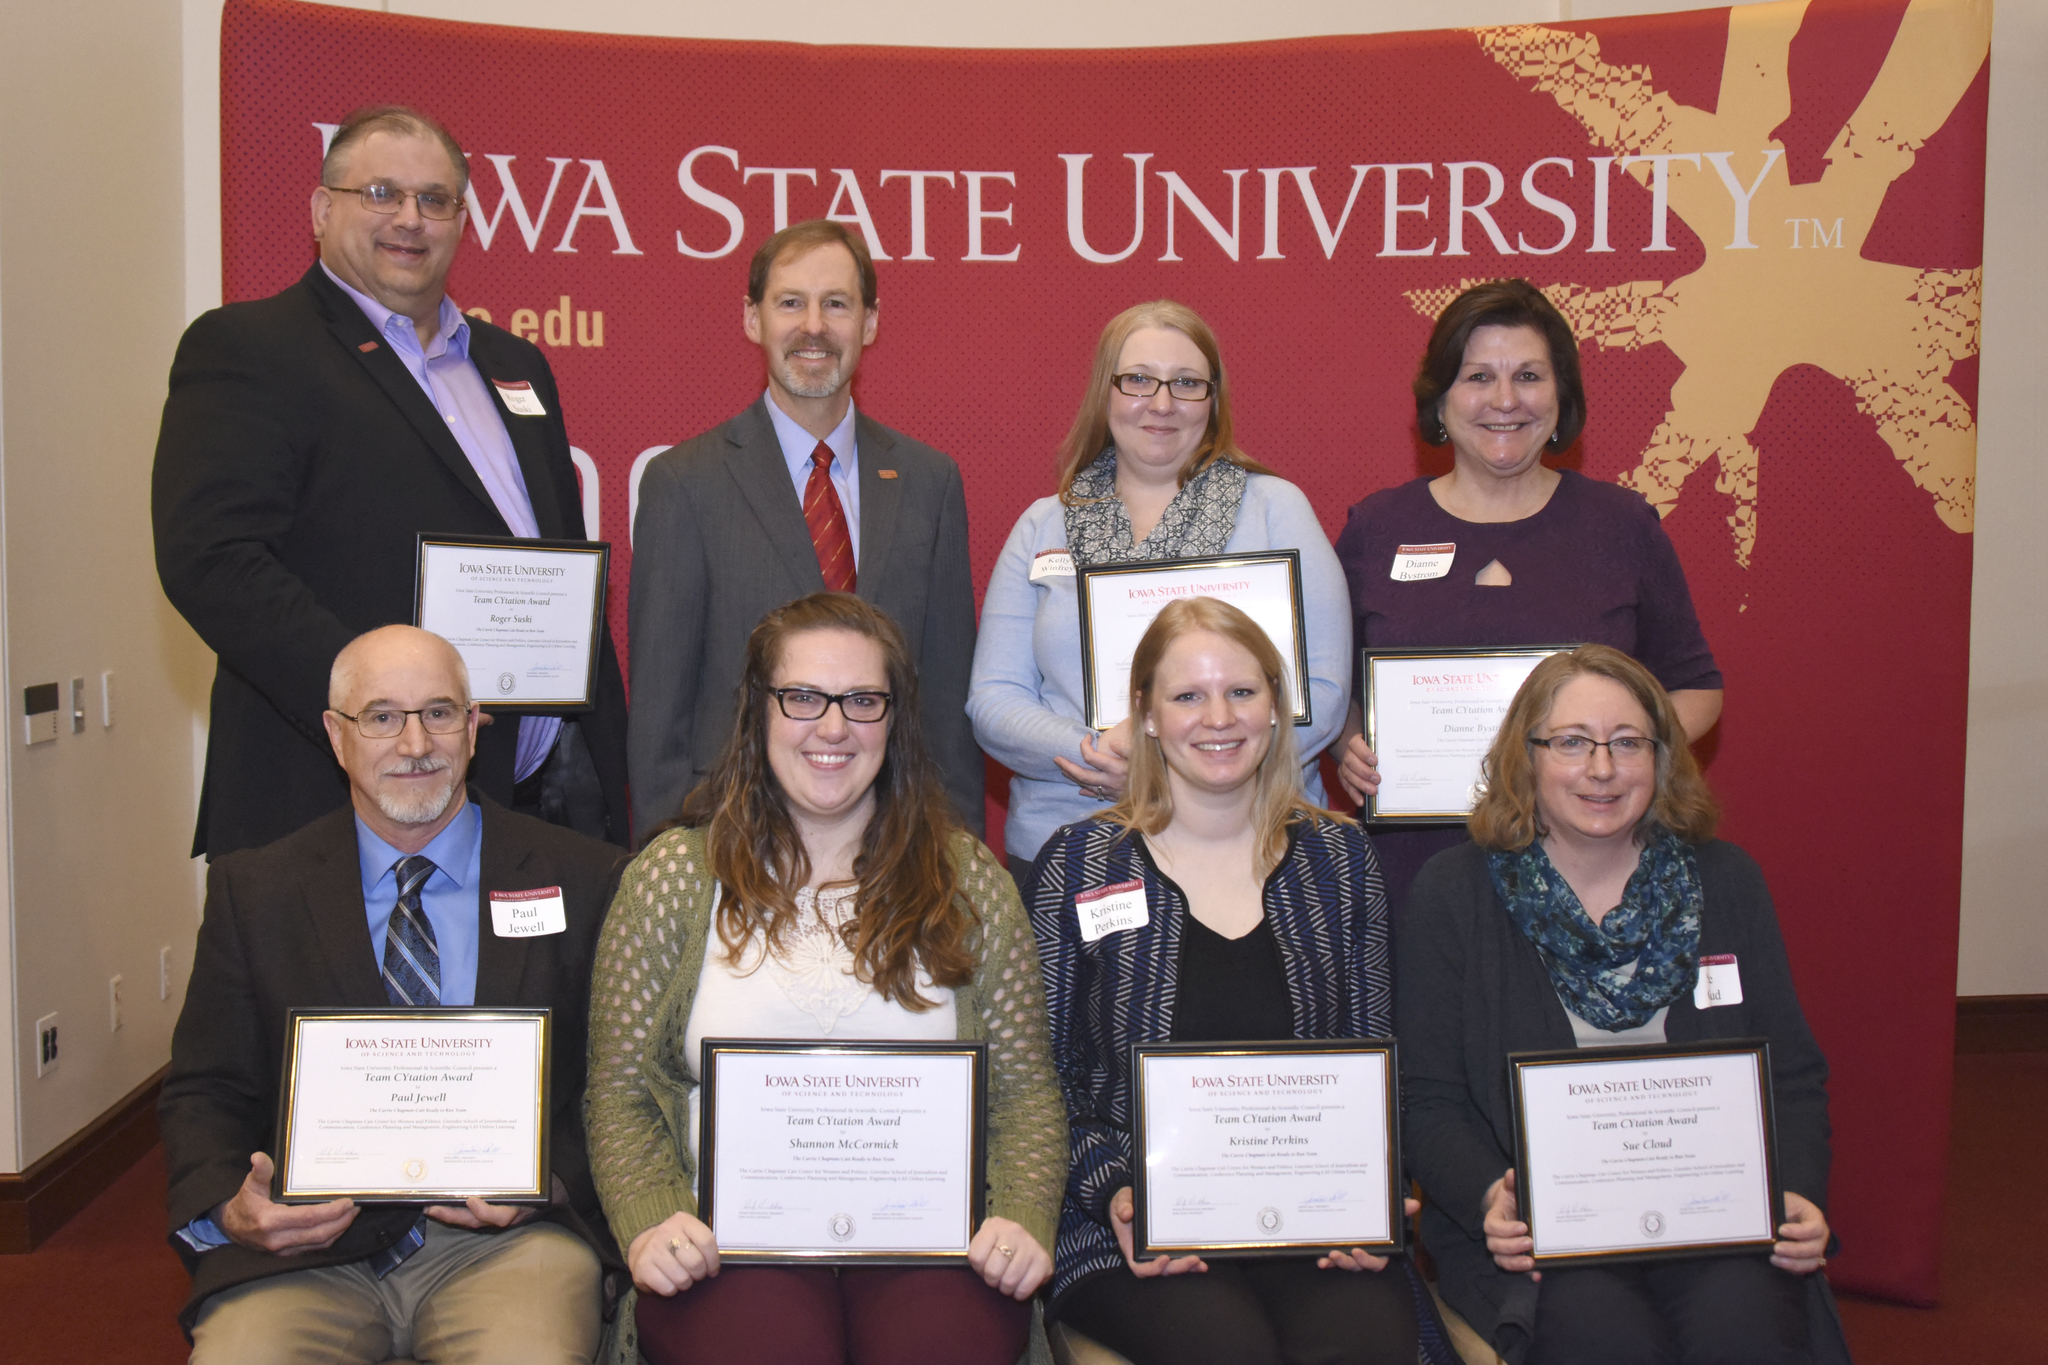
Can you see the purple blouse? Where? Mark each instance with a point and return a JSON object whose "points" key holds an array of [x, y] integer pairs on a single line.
{"points": [[1592, 567]]}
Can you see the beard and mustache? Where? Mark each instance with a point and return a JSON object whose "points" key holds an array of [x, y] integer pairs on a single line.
{"points": [[421, 805]]}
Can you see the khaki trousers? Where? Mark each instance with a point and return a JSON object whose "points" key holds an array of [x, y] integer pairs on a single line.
{"points": [[529, 1296]]}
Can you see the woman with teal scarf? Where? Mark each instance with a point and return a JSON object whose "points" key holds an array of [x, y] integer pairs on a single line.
{"points": [[1579, 915]]}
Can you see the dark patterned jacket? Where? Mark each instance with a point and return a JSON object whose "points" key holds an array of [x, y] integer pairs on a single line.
{"points": [[1329, 919]]}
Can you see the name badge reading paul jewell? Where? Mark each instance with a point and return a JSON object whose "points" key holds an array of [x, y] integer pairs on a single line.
{"points": [[529, 914], [1413, 563], [1111, 910]]}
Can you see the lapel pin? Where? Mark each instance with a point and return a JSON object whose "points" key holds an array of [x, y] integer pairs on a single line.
{"points": [[367, 347], [885, 473]]}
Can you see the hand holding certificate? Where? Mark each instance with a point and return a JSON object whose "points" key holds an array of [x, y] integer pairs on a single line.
{"points": [[1638, 1153], [414, 1106], [525, 615], [1267, 1149], [843, 1152]]}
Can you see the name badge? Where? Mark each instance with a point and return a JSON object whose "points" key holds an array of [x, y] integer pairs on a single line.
{"points": [[1719, 984], [1413, 563], [1111, 910], [520, 399], [529, 914], [1052, 564]]}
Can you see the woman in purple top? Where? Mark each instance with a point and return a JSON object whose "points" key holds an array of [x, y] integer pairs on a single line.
{"points": [[1518, 553]]}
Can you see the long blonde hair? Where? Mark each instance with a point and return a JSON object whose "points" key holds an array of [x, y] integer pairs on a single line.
{"points": [[1089, 436], [1277, 799]]}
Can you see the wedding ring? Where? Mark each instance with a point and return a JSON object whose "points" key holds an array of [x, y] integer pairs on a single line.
{"points": [[1007, 1251], [675, 1244]]}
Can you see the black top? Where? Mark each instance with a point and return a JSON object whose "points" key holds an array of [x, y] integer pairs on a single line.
{"points": [[1232, 990]]}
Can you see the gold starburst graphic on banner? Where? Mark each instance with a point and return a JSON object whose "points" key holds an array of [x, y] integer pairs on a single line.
{"points": [[1758, 304]]}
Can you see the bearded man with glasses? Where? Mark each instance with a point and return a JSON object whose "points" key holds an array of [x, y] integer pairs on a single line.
{"points": [[306, 441], [393, 901]]}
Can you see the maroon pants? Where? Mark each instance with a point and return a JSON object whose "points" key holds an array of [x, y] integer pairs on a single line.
{"points": [[802, 1315]]}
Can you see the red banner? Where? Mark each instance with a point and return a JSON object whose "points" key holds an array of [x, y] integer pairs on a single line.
{"points": [[1765, 225]]}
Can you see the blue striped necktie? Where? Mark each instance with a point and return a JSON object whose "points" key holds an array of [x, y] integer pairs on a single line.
{"points": [[412, 964]]}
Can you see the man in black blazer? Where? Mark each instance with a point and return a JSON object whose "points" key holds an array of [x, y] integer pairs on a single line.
{"points": [[306, 440], [760, 510], [385, 903]]}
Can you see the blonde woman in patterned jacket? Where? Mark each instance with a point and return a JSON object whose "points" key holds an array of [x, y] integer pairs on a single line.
{"points": [[819, 888]]}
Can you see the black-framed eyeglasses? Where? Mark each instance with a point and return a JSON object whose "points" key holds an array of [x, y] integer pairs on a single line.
{"points": [[1578, 749], [388, 722], [806, 703], [390, 199], [1186, 388]]}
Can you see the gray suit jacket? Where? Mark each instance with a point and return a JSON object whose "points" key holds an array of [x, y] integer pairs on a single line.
{"points": [[719, 541]]}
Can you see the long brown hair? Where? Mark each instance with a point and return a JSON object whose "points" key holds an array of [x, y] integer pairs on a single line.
{"points": [[1277, 798], [1505, 817], [1089, 436], [908, 910]]}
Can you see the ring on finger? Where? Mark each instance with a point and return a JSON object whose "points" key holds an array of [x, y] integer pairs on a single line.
{"points": [[675, 1244], [1007, 1251]]}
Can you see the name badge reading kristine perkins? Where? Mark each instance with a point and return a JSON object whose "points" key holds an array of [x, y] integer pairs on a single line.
{"points": [[520, 399], [1413, 563], [529, 914], [1052, 564], [1111, 910]]}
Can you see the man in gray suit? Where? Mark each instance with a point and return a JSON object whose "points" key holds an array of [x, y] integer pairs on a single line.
{"points": [[797, 494]]}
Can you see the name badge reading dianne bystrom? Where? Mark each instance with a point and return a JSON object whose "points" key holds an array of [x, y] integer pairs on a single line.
{"points": [[1414, 563], [1111, 909]]}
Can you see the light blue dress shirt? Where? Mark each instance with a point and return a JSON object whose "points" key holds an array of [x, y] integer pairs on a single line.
{"points": [[450, 897], [459, 393], [844, 471]]}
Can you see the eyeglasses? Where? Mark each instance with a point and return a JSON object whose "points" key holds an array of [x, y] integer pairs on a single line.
{"points": [[389, 199], [804, 703], [385, 722], [1186, 388], [1575, 750]]}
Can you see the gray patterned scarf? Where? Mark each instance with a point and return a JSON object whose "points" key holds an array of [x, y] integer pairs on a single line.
{"points": [[1198, 522]]}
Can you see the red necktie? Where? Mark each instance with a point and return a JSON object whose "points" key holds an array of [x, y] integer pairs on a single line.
{"points": [[827, 520]]}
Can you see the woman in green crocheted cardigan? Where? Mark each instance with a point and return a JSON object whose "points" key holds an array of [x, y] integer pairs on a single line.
{"points": [[819, 887]]}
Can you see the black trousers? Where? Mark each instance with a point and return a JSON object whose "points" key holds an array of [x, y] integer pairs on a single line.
{"points": [[1254, 1312], [1709, 1310]]}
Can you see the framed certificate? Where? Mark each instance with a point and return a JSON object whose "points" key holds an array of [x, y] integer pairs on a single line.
{"points": [[525, 615], [414, 1106], [1118, 602], [1430, 716], [1641, 1153], [1267, 1149], [842, 1153]]}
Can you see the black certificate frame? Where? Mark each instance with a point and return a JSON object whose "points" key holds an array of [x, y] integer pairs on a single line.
{"points": [[708, 1146], [539, 1192], [1304, 713], [1397, 1188], [1758, 1048], [1369, 656], [602, 549]]}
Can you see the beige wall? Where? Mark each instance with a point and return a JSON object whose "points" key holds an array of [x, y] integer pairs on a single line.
{"points": [[109, 243], [91, 303]]}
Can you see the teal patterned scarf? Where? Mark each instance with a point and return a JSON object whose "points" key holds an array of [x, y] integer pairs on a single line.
{"points": [[1656, 926]]}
